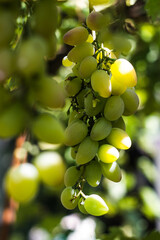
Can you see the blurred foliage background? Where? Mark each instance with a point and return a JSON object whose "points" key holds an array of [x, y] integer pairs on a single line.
{"points": [[134, 202]]}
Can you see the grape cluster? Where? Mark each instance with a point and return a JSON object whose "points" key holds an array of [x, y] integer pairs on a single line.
{"points": [[101, 92]]}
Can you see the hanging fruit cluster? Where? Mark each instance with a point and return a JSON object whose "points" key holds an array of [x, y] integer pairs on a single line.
{"points": [[101, 92]]}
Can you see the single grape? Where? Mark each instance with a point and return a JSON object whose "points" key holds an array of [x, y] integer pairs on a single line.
{"points": [[111, 171], [107, 153], [119, 123], [93, 106], [74, 151], [48, 129], [90, 38], [95, 21], [81, 96], [119, 139], [93, 173], [75, 36], [51, 43], [123, 71], [114, 108], [131, 102], [73, 86], [72, 175], [118, 87], [75, 133], [95, 205], [75, 115], [86, 151], [101, 129], [87, 67], [66, 62], [22, 182], [51, 168], [69, 198], [78, 53], [100, 82], [81, 206]]}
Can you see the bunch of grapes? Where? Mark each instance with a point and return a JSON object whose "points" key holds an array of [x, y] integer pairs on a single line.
{"points": [[101, 92]]}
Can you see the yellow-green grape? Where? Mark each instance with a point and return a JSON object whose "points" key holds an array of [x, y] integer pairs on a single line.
{"points": [[51, 43], [75, 133], [131, 102], [123, 71], [7, 27], [75, 69], [78, 53], [45, 18], [49, 93], [121, 44], [76, 36], [107, 153], [81, 206], [93, 173], [22, 182], [87, 67], [93, 106], [90, 38], [75, 115], [73, 86], [111, 171], [51, 168], [118, 87], [66, 62], [81, 96], [48, 129], [114, 108], [95, 21], [6, 64], [86, 151], [119, 123], [30, 56], [119, 139], [95, 205], [100, 82], [12, 120], [71, 176], [101, 129], [69, 198], [74, 151]]}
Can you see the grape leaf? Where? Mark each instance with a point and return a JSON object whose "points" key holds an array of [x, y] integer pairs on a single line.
{"points": [[153, 9], [153, 235]]}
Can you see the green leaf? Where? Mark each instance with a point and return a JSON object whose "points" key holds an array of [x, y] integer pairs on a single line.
{"points": [[153, 9], [153, 236]]}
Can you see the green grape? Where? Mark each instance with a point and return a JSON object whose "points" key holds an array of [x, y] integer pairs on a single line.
{"points": [[121, 43], [119, 139], [101, 129], [75, 133], [69, 198], [107, 153], [49, 93], [95, 21], [81, 206], [78, 53], [119, 123], [73, 86], [74, 151], [75, 115], [75, 36], [12, 120], [93, 106], [75, 70], [114, 108], [66, 62], [123, 71], [118, 87], [51, 43], [87, 67], [95, 205], [81, 96], [22, 182], [131, 102], [45, 18], [48, 129], [51, 168], [6, 64], [86, 151], [93, 173], [111, 171], [30, 56], [100, 82], [7, 27], [90, 38], [71, 176]]}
